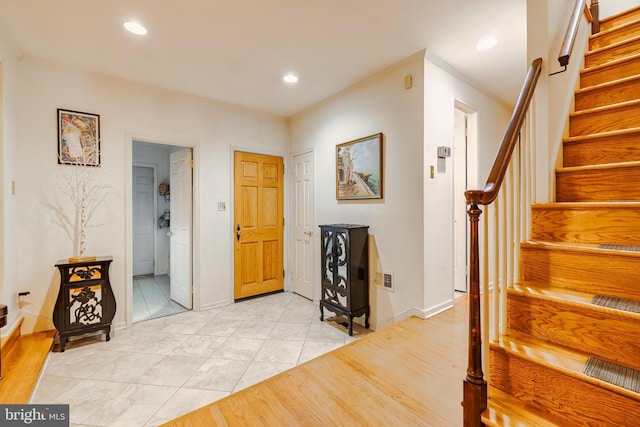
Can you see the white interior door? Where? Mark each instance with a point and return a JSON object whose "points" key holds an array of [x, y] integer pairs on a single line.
{"points": [[303, 227], [460, 219], [180, 189], [143, 221]]}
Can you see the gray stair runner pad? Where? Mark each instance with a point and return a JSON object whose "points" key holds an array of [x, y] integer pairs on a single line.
{"points": [[619, 247], [614, 374], [617, 303]]}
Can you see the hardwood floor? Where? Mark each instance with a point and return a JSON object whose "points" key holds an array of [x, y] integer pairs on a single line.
{"points": [[408, 374]]}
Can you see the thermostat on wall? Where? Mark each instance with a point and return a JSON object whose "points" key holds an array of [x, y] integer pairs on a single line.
{"points": [[444, 152]]}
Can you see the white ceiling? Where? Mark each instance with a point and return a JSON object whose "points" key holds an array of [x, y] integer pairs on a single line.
{"points": [[236, 51]]}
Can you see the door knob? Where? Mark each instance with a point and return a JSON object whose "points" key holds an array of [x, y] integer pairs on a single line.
{"points": [[308, 233]]}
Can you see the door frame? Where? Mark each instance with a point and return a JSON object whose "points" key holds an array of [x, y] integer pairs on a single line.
{"points": [[155, 204], [128, 206], [286, 208], [470, 173], [315, 283]]}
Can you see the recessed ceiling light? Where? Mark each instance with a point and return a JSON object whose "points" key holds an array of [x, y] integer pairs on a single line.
{"points": [[135, 28], [290, 78], [486, 43]]}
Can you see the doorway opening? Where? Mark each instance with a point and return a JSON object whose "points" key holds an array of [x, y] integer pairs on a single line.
{"points": [[162, 208], [463, 144]]}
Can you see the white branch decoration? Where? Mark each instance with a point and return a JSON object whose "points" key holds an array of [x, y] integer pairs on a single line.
{"points": [[85, 187]]}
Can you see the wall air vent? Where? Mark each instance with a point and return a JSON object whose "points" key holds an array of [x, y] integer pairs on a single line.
{"points": [[388, 281]]}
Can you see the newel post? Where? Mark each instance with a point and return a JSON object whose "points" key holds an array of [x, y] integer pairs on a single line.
{"points": [[475, 386], [595, 13]]}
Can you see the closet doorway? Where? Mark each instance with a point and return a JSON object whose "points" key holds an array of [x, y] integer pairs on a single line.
{"points": [[464, 149], [162, 256]]}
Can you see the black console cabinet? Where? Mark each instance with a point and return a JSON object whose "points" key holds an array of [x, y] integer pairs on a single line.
{"points": [[345, 271], [85, 301]]}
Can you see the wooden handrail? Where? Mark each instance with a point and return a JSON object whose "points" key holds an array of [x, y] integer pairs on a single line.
{"points": [[475, 386], [571, 34], [510, 139], [591, 12]]}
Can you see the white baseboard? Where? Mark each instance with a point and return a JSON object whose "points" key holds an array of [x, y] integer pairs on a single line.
{"points": [[13, 321], [216, 304], [422, 313], [118, 326]]}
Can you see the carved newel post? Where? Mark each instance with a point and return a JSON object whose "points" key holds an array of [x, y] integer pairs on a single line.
{"points": [[475, 386]]}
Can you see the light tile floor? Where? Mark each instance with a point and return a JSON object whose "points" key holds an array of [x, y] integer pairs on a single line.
{"points": [[152, 298], [159, 369]]}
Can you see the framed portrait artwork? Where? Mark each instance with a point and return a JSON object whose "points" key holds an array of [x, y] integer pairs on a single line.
{"points": [[359, 168], [78, 138]]}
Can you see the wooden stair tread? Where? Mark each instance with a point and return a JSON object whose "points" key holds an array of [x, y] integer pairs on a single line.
{"points": [[599, 167], [613, 20], [506, 410], [620, 30], [571, 297], [622, 26], [588, 89], [612, 46], [613, 133], [605, 108], [615, 68], [616, 90], [588, 205], [555, 357], [612, 223], [570, 319], [578, 247], [612, 51], [22, 366], [617, 61], [558, 357]]}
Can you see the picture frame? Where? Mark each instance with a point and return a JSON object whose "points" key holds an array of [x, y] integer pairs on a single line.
{"points": [[78, 138], [359, 168]]}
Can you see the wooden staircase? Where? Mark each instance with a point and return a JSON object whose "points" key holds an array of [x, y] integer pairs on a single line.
{"points": [[23, 358], [587, 243]]}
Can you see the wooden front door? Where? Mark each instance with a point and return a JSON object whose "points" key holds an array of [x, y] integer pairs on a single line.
{"points": [[258, 224]]}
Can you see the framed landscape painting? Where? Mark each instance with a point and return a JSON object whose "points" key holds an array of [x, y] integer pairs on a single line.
{"points": [[78, 138], [359, 168]]}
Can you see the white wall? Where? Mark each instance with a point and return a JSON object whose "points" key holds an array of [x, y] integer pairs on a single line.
{"points": [[9, 234], [561, 86], [612, 7], [127, 111], [442, 89], [413, 225], [379, 104], [547, 23]]}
